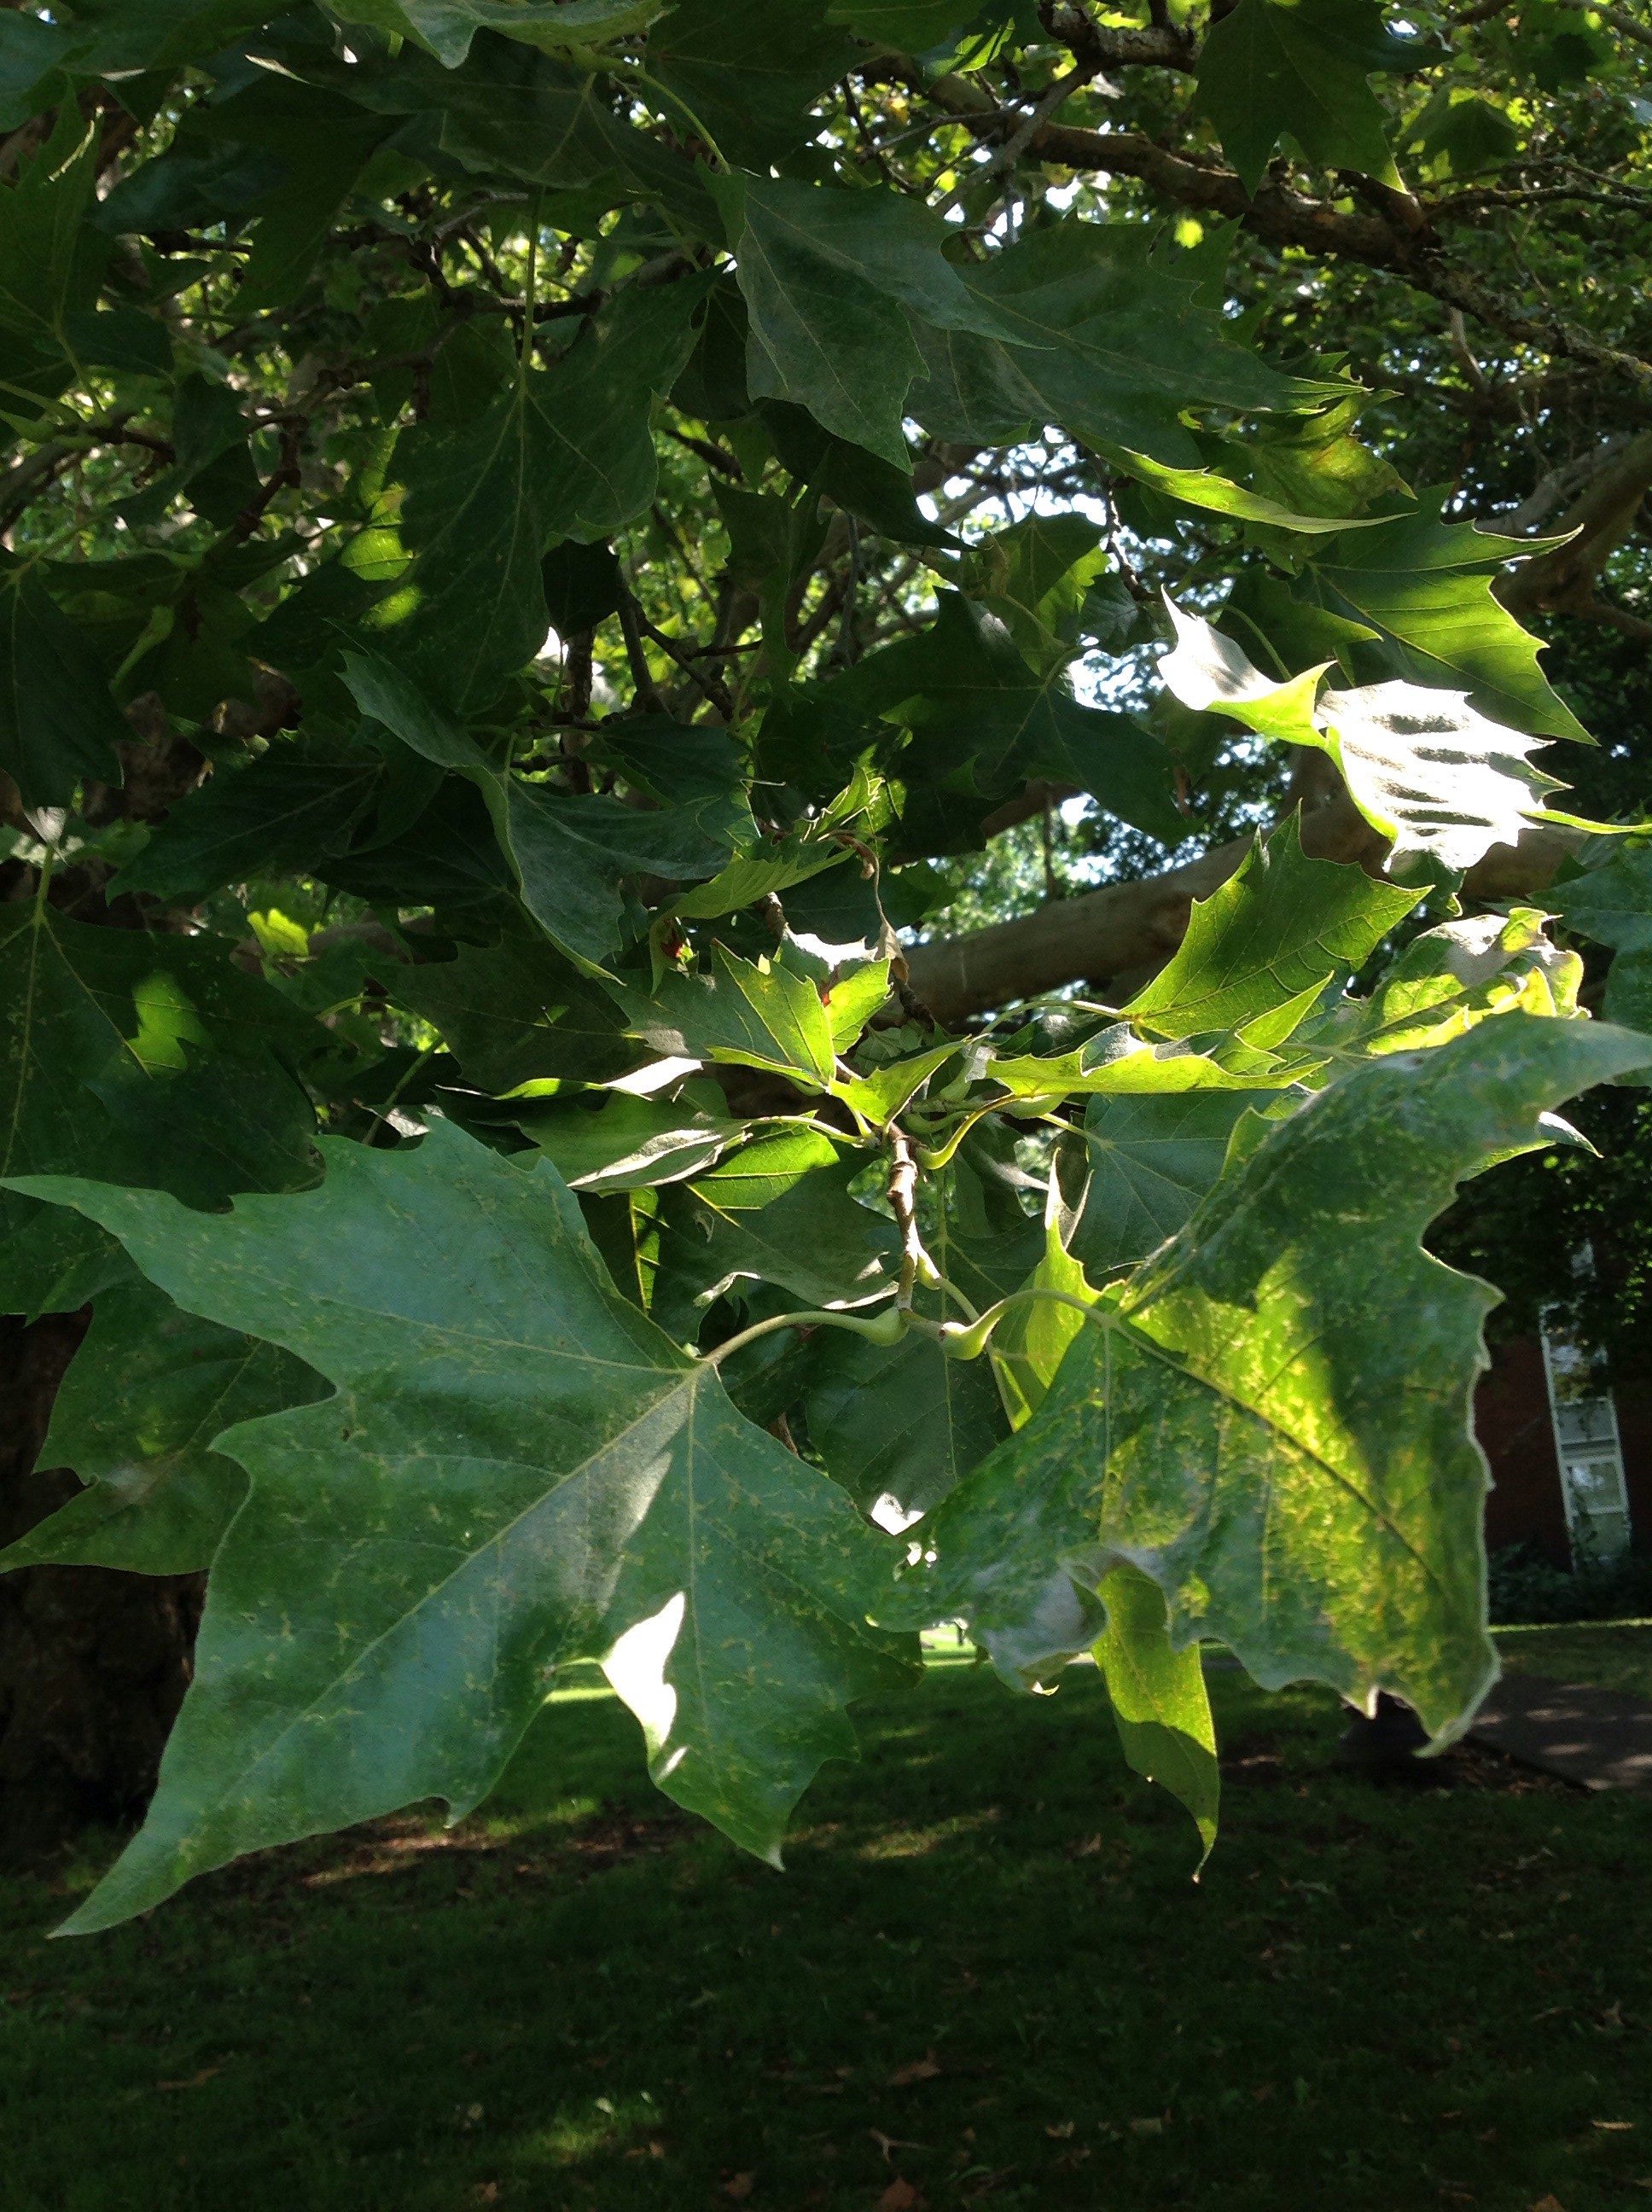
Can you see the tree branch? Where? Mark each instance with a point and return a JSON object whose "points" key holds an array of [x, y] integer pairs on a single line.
{"points": [[1119, 936], [1394, 231]]}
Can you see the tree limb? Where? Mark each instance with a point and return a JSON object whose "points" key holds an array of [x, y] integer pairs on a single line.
{"points": [[1116, 938]]}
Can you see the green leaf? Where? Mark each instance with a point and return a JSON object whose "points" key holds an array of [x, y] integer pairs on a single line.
{"points": [[1614, 905], [1299, 67], [144, 1060], [270, 818], [1160, 1704], [446, 28], [1425, 588], [898, 1425], [1032, 1340], [569, 853], [1151, 1160], [1117, 1064], [828, 278], [752, 89], [50, 259], [987, 722], [1207, 488], [1423, 765], [908, 25], [516, 1470], [1273, 1422], [516, 1011], [629, 1142], [476, 501], [754, 1014], [1450, 978], [1274, 936], [1110, 349], [777, 1210], [57, 721], [145, 1396]]}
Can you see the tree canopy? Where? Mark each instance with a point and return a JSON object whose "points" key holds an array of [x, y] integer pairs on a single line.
{"points": [[549, 548]]}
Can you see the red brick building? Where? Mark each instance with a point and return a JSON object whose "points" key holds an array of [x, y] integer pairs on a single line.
{"points": [[1571, 1462]]}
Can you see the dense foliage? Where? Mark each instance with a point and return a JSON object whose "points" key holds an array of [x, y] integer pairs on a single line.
{"points": [[538, 533]]}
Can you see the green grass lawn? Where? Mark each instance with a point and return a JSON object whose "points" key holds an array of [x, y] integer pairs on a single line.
{"points": [[1618, 1655], [986, 1976]]}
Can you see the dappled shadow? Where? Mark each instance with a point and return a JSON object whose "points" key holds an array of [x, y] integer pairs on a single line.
{"points": [[987, 1974]]}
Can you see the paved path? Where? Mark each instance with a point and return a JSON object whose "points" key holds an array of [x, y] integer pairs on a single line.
{"points": [[1602, 1738]]}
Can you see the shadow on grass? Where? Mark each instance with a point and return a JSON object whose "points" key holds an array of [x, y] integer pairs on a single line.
{"points": [[986, 1977]]}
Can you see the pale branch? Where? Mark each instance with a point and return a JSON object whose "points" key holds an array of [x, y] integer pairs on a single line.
{"points": [[1563, 580], [1116, 938]]}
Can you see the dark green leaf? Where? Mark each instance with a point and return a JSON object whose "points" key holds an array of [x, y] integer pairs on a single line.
{"points": [[57, 721], [144, 1060], [566, 453], [751, 90], [900, 1422], [828, 278], [517, 1011], [145, 1396], [1110, 349], [1151, 1160], [1271, 67]]}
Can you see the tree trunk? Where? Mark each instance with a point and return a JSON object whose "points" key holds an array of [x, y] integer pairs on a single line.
{"points": [[93, 1663]]}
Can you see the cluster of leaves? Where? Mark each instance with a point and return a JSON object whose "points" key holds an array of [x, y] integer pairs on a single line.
{"points": [[484, 687]]}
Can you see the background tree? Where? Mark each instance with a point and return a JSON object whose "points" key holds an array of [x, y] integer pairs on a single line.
{"points": [[540, 537]]}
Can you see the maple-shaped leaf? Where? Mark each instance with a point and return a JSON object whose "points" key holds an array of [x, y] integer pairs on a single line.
{"points": [[750, 1013], [516, 1469], [146, 1393], [1261, 948], [1423, 588], [1272, 1418], [778, 1210], [828, 278], [1108, 347], [1152, 1160], [446, 28], [1271, 69], [1423, 766], [749, 76], [517, 1009], [898, 1425], [57, 721], [471, 502]]}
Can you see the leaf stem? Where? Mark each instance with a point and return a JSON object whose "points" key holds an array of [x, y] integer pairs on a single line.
{"points": [[967, 1341], [530, 301], [636, 73], [886, 1328]]}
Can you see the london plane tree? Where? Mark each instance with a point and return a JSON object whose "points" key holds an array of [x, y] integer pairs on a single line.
{"points": [[539, 535]]}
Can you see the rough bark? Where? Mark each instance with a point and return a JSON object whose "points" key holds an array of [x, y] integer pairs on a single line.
{"points": [[92, 1664]]}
